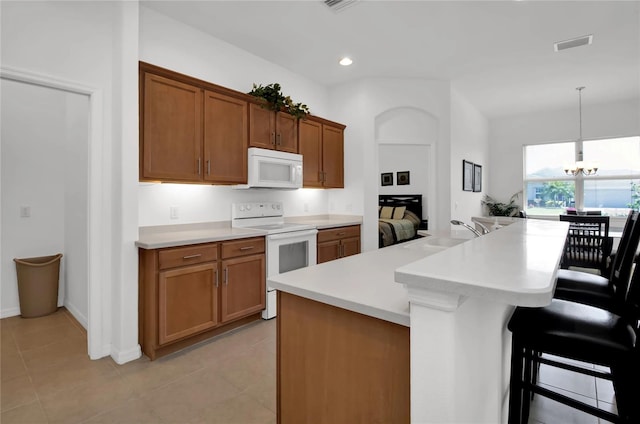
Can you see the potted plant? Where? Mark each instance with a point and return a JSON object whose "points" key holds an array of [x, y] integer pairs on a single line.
{"points": [[496, 208], [275, 100]]}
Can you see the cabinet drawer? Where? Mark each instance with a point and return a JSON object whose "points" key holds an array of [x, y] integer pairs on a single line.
{"points": [[338, 233], [242, 247], [188, 255]]}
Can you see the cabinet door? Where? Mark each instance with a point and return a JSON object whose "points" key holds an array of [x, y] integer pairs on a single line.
{"points": [[171, 130], [310, 147], [286, 132], [350, 246], [328, 251], [333, 156], [243, 287], [225, 139], [188, 301], [262, 127]]}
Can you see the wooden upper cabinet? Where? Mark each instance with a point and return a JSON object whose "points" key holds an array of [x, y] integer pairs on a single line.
{"points": [[272, 130], [310, 148], [333, 156], [286, 132], [262, 127], [322, 147], [171, 130], [225, 138]]}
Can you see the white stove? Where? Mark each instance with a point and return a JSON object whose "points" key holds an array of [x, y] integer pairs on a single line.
{"points": [[289, 245]]}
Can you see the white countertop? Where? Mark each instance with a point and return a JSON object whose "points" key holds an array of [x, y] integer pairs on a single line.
{"points": [[180, 235], [160, 236], [515, 265], [361, 283], [326, 221]]}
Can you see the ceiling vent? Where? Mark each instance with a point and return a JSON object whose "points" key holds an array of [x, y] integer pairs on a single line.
{"points": [[339, 5], [574, 42]]}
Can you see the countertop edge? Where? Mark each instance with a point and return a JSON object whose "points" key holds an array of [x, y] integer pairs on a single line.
{"points": [[371, 311]]}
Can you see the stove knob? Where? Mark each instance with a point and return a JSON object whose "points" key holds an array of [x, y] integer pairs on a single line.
{"points": [[248, 207], [241, 208], [279, 206], [273, 206]]}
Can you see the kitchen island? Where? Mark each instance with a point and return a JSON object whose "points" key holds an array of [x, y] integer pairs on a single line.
{"points": [[427, 317]]}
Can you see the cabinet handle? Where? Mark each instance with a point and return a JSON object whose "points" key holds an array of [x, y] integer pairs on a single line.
{"points": [[226, 276], [340, 234], [208, 167], [247, 247], [192, 256], [273, 138], [279, 139], [216, 278], [198, 166]]}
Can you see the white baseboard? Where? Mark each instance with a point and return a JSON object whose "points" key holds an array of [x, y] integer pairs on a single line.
{"points": [[122, 357], [10, 312], [76, 314]]}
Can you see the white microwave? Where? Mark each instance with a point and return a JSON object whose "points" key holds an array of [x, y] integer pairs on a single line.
{"points": [[273, 169]]}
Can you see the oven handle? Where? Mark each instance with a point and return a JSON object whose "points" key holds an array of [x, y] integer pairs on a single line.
{"points": [[293, 234]]}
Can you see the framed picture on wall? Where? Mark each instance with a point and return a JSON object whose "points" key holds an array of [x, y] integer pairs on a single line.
{"points": [[467, 175], [477, 177], [386, 178], [403, 178]]}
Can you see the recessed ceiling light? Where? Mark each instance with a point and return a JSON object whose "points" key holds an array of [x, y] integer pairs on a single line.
{"points": [[346, 61]]}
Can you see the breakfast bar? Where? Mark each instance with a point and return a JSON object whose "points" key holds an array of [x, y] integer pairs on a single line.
{"points": [[414, 332]]}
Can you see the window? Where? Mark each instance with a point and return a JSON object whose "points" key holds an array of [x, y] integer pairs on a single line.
{"points": [[613, 190]]}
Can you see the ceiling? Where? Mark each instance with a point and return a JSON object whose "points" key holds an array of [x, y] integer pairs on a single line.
{"points": [[498, 54]]}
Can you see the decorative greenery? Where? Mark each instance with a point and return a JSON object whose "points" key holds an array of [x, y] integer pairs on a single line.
{"points": [[635, 196], [501, 209], [277, 101]]}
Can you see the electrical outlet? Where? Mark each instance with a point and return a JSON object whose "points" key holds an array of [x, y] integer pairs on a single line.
{"points": [[306, 207], [349, 207], [25, 211], [173, 212]]}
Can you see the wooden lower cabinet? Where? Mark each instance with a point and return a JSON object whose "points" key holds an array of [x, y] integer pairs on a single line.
{"points": [[190, 293], [243, 291], [187, 301], [335, 243], [338, 366]]}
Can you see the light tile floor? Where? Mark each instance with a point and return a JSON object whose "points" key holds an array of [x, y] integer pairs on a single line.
{"points": [[47, 377]]}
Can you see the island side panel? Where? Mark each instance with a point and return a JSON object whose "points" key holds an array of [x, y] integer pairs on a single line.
{"points": [[338, 366]]}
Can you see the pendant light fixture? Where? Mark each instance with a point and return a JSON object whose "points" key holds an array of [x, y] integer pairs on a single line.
{"points": [[581, 167]]}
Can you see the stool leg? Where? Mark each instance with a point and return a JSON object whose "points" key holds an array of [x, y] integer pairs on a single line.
{"points": [[535, 370], [529, 355], [625, 383], [515, 385]]}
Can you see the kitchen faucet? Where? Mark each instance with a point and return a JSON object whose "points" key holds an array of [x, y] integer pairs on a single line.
{"points": [[468, 227]]}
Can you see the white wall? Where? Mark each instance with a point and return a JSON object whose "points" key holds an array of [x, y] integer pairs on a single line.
{"points": [[406, 157], [404, 138], [358, 104], [168, 43], [508, 136], [40, 127], [469, 141], [91, 44]]}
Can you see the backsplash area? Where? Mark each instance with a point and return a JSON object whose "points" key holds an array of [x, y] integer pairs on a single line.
{"points": [[167, 204]]}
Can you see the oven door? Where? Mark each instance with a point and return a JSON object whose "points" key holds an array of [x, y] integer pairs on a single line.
{"points": [[286, 252]]}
